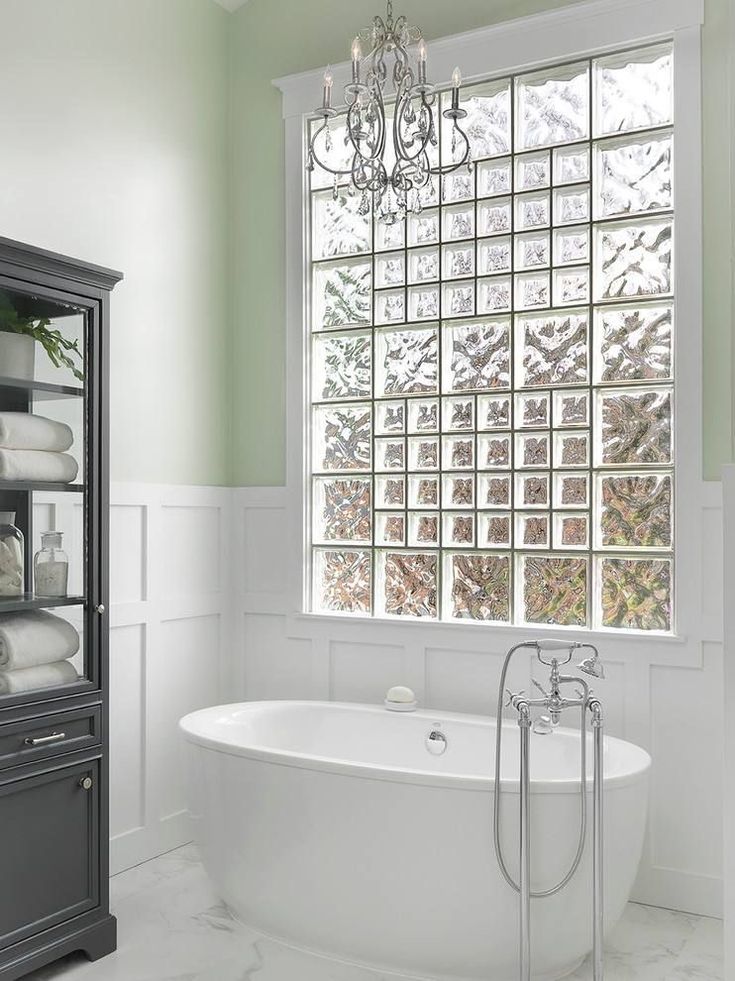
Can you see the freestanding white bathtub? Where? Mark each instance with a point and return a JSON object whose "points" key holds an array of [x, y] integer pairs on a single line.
{"points": [[333, 828]]}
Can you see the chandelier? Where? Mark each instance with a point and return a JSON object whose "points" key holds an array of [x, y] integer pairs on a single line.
{"points": [[394, 173]]}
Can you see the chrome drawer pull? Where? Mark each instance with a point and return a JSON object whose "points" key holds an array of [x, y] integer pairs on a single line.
{"points": [[41, 740]]}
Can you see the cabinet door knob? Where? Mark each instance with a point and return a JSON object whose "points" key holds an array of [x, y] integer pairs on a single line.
{"points": [[86, 783], [100, 608]]}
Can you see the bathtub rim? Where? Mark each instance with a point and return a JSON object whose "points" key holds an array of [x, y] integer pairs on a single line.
{"points": [[192, 729]]}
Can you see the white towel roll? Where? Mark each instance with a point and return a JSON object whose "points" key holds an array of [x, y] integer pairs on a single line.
{"points": [[24, 431], [37, 465], [35, 637], [42, 676]]}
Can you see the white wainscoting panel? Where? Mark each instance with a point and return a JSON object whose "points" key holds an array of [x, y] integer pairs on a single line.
{"points": [[663, 697]]}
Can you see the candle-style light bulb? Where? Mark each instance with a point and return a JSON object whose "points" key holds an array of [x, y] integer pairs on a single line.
{"points": [[356, 59], [456, 83], [423, 52], [328, 82]]}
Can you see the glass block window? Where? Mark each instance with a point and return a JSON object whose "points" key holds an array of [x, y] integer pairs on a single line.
{"points": [[491, 379]]}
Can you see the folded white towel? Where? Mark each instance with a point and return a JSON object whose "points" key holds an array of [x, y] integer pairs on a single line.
{"points": [[42, 676], [35, 637], [23, 431], [37, 465]]}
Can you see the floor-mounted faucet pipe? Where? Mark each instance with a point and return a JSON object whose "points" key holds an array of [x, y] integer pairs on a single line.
{"points": [[598, 881], [524, 722]]}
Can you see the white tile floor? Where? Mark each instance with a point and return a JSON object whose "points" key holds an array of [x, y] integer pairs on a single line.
{"points": [[173, 928]]}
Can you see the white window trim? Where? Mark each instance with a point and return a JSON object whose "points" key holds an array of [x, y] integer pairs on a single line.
{"points": [[522, 44]]}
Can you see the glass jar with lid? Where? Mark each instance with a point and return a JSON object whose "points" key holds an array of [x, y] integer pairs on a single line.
{"points": [[51, 566], [12, 552]]}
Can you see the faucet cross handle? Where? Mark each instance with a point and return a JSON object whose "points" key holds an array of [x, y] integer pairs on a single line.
{"points": [[513, 695]]}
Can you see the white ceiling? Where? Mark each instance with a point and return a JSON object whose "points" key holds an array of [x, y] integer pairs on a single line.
{"points": [[231, 4]]}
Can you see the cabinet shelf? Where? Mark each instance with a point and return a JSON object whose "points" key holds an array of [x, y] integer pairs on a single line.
{"points": [[40, 485], [12, 387], [29, 601]]}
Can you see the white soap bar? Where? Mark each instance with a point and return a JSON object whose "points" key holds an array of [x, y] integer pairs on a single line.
{"points": [[399, 693]]}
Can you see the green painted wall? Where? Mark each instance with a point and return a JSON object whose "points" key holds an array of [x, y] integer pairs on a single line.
{"points": [[271, 38]]}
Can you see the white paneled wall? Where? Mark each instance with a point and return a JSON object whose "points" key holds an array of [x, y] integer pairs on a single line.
{"points": [[664, 697], [170, 648]]}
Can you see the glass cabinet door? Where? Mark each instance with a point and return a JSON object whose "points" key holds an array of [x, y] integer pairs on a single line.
{"points": [[49, 505]]}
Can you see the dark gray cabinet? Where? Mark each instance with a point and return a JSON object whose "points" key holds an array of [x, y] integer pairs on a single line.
{"points": [[54, 723]]}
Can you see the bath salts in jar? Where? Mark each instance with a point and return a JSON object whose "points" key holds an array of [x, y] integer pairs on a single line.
{"points": [[51, 566], [11, 556]]}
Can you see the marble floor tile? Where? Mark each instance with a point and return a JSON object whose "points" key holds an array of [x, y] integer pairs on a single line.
{"points": [[172, 927]]}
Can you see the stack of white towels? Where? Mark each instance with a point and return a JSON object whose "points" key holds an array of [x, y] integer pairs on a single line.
{"points": [[34, 448], [35, 647]]}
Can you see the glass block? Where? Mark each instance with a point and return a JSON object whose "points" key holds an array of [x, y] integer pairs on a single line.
{"points": [[423, 453], [633, 342], [458, 261], [493, 452], [551, 349], [571, 285], [494, 530], [532, 250], [532, 290], [493, 256], [487, 124], [458, 491], [423, 529], [342, 581], [406, 360], [458, 299], [532, 490], [633, 176], [342, 294], [423, 492], [493, 412], [423, 229], [390, 417], [552, 106], [390, 307], [458, 453], [341, 510], [533, 210], [494, 178], [428, 195], [342, 437], [571, 531], [633, 259], [408, 583], [458, 414], [338, 227], [423, 265], [533, 411], [532, 530], [458, 222], [532, 450], [458, 530], [389, 237], [571, 449], [390, 492], [341, 366], [635, 510], [571, 205], [459, 186], [633, 426], [477, 355], [390, 454], [554, 589], [423, 416], [390, 270], [478, 587], [493, 490], [423, 302], [390, 529], [533, 170], [571, 490], [633, 90], [494, 217], [571, 245], [571, 164], [636, 594], [571, 409], [494, 294]]}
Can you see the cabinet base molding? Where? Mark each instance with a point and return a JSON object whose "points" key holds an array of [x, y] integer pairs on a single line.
{"points": [[95, 939]]}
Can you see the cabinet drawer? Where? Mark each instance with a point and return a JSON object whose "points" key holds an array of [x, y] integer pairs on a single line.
{"points": [[44, 736]]}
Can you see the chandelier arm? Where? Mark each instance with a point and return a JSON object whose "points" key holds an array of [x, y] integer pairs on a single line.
{"points": [[356, 143], [453, 167], [314, 154]]}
